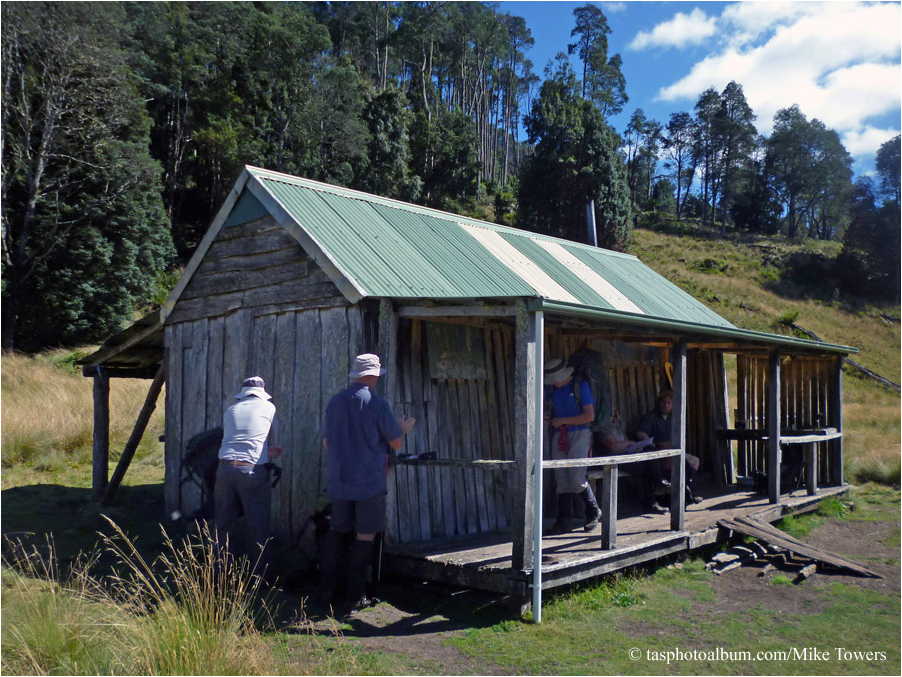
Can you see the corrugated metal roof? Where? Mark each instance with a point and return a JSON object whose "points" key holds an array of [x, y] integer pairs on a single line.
{"points": [[393, 249]]}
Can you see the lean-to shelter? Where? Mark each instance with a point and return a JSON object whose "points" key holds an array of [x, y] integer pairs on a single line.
{"points": [[295, 277]]}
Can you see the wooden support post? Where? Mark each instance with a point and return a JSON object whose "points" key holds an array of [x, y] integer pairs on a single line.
{"points": [[388, 356], [609, 507], [101, 446], [834, 420], [525, 430], [678, 438], [774, 454], [811, 468], [150, 403]]}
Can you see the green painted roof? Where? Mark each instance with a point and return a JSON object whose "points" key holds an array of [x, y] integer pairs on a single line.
{"points": [[387, 248]]}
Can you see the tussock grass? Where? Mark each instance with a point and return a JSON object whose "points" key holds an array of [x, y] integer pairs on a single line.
{"points": [[195, 610], [48, 415]]}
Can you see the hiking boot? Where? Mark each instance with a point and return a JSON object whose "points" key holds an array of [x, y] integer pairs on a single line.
{"points": [[593, 513], [593, 522]]}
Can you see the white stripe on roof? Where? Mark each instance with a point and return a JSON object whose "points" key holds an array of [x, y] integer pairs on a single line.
{"points": [[520, 264], [600, 285]]}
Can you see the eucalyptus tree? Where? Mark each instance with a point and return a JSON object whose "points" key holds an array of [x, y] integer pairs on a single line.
{"points": [[602, 80], [707, 147], [84, 229], [811, 172], [680, 157], [735, 131]]}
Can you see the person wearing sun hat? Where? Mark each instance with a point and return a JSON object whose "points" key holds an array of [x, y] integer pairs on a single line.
{"points": [[359, 429], [572, 438], [242, 484]]}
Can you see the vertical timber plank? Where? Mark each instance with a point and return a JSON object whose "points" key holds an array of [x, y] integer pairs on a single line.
{"points": [[284, 397], [835, 421], [678, 438], [773, 427], [194, 378], [308, 405], [173, 436], [609, 507], [526, 345]]}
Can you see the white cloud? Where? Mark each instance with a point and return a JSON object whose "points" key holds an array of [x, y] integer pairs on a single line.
{"points": [[680, 31], [840, 62], [613, 7], [867, 141]]}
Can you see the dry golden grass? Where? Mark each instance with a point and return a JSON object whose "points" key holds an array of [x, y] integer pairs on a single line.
{"points": [[737, 279], [47, 415]]}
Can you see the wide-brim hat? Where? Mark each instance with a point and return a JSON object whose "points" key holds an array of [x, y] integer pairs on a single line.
{"points": [[366, 365], [253, 387], [556, 370]]}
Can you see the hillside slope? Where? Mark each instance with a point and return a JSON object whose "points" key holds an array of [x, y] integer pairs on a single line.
{"points": [[755, 283]]}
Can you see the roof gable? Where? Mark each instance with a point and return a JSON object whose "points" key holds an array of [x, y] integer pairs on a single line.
{"points": [[377, 247]]}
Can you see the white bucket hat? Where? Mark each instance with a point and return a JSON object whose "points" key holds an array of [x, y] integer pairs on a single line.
{"points": [[366, 365], [556, 370], [253, 386]]}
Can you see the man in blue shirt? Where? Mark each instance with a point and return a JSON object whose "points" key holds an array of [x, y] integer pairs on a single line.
{"points": [[571, 421], [242, 484], [358, 431]]}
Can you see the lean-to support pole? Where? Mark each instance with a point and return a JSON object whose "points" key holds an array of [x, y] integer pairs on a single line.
{"points": [[100, 455], [537, 502]]}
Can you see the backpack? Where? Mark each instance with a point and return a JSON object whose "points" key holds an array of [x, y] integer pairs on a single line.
{"points": [[199, 466], [588, 365]]}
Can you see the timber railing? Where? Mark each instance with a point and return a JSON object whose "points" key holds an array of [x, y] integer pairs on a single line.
{"points": [[608, 500]]}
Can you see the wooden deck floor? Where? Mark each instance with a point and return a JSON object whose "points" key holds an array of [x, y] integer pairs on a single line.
{"points": [[485, 563]]}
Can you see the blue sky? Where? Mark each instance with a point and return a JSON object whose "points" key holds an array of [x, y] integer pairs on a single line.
{"points": [[841, 62]]}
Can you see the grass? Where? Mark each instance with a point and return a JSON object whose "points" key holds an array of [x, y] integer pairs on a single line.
{"points": [[744, 279], [194, 610], [587, 633], [47, 431]]}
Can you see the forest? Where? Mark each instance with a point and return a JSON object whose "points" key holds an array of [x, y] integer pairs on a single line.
{"points": [[124, 125]]}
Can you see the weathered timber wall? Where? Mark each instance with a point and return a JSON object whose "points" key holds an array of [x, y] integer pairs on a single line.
{"points": [[258, 305], [255, 265], [808, 387], [637, 375], [706, 413], [462, 419]]}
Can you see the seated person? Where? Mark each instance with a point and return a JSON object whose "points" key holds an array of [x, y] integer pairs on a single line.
{"points": [[656, 425], [614, 441]]}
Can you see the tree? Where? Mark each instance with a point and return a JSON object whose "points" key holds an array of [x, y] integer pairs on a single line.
{"points": [[735, 130], [679, 145], [84, 230], [869, 262], [388, 152], [602, 80], [811, 173], [707, 147], [888, 162], [576, 159]]}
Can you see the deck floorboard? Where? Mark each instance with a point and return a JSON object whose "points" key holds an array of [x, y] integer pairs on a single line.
{"points": [[484, 561]]}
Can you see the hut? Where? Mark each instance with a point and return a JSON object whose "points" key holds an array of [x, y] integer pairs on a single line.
{"points": [[295, 277]]}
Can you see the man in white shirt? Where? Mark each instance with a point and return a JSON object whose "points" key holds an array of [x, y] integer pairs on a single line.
{"points": [[242, 483]]}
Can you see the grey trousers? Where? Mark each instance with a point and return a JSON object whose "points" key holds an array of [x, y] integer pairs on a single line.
{"points": [[571, 480], [242, 490]]}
